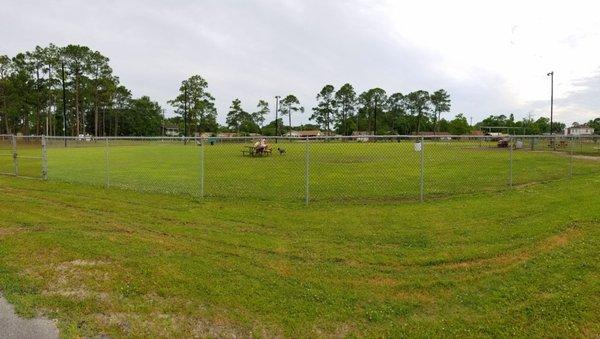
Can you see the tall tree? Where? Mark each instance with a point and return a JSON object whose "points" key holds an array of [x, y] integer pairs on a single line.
{"points": [[396, 108], [261, 113], [459, 125], [100, 82], [373, 101], [346, 105], [237, 116], [418, 103], [289, 105], [198, 102], [326, 105], [440, 100], [5, 71], [121, 100], [76, 62], [143, 118]]}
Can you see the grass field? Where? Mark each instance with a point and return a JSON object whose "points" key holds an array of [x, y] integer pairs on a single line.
{"points": [[336, 170], [517, 263]]}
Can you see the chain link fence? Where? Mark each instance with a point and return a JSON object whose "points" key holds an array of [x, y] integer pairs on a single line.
{"points": [[311, 169]]}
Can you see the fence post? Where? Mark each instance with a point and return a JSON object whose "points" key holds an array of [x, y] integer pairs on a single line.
{"points": [[306, 171], [201, 167], [107, 160], [422, 175], [510, 170], [571, 143], [15, 155], [44, 159]]}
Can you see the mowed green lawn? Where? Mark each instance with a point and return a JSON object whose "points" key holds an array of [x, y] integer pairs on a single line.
{"points": [[516, 263], [336, 170]]}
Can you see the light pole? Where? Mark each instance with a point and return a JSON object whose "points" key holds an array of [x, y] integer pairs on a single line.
{"points": [[551, 75], [64, 100], [276, 117], [185, 114]]}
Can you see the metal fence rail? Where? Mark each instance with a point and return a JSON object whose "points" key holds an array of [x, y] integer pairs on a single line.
{"points": [[309, 169]]}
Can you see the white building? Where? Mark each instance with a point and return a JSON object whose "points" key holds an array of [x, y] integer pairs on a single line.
{"points": [[579, 130], [171, 130], [304, 134]]}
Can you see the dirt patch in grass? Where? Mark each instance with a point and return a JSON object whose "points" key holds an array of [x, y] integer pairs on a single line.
{"points": [[10, 231], [587, 157], [543, 246], [166, 324], [75, 279]]}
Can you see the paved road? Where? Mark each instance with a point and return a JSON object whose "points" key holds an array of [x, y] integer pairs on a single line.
{"points": [[14, 327]]}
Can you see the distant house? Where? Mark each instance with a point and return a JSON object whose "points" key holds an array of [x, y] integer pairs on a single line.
{"points": [[171, 130], [361, 135], [304, 134], [579, 130], [441, 135], [227, 135]]}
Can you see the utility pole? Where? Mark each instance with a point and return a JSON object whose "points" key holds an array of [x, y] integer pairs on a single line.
{"points": [[185, 113], [64, 108], [375, 120], [276, 117], [551, 75]]}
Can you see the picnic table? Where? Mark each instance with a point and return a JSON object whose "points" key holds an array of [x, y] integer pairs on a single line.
{"points": [[560, 144], [253, 152]]}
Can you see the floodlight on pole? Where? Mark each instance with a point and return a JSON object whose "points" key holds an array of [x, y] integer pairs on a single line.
{"points": [[185, 99], [64, 99]]}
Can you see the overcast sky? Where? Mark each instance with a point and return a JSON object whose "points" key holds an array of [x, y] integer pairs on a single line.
{"points": [[491, 56]]}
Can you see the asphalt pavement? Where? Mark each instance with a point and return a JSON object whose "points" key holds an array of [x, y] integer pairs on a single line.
{"points": [[15, 327]]}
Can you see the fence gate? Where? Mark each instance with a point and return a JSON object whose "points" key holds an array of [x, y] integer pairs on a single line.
{"points": [[23, 156]]}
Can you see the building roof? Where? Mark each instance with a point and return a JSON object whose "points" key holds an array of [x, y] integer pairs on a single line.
{"points": [[307, 133], [311, 132], [580, 126], [434, 133]]}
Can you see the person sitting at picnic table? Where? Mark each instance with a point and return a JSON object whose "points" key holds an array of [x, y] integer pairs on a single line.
{"points": [[260, 146]]}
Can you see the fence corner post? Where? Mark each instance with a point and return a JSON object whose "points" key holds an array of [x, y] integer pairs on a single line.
{"points": [[510, 166], [44, 158], [306, 171], [107, 160], [571, 157], [201, 168], [15, 155], [422, 172]]}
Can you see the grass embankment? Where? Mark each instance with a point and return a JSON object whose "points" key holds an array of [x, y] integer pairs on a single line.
{"points": [[524, 262]]}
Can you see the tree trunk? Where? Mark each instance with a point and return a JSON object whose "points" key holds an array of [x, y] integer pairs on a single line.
{"points": [[4, 109], [38, 115], [96, 115], [116, 124], [76, 104], [375, 120]]}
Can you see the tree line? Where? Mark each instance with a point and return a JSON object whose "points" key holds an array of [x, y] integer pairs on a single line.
{"points": [[72, 90], [343, 111]]}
